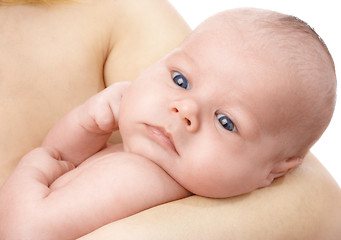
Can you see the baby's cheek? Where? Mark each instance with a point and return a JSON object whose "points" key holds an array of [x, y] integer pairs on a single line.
{"points": [[201, 180]]}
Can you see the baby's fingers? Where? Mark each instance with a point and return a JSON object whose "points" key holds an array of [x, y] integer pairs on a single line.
{"points": [[96, 116], [105, 119], [107, 116], [43, 165]]}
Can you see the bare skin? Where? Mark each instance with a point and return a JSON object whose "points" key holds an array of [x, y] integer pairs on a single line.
{"points": [[306, 201], [31, 104], [48, 65]]}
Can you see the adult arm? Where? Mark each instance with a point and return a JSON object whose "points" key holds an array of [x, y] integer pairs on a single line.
{"points": [[303, 205], [71, 52], [26, 119], [306, 204], [143, 32]]}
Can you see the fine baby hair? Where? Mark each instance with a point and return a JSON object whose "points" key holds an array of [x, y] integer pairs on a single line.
{"points": [[309, 66], [233, 107]]}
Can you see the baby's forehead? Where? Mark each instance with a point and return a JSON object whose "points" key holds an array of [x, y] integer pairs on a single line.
{"points": [[280, 39], [263, 28], [227, 35], [286, 47]]}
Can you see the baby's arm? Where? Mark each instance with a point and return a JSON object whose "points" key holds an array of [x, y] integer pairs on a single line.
{"points": [[86, 129], [20, 196], [105, 189]]}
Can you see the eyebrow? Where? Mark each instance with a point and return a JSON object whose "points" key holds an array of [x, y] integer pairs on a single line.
{"points": [[247, 124], [184, 60]]}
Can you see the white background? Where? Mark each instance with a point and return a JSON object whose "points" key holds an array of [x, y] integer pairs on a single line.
{"points": [[325, 17]]}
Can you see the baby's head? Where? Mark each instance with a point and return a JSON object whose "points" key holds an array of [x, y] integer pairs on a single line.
{"points": [[236, 105]]}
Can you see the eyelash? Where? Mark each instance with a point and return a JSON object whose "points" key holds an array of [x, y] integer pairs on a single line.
{"points": [[180, 80], [226, 123]]}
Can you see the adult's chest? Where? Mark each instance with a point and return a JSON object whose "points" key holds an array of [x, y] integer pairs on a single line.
{"points": [[50, 62], [49, 50]]}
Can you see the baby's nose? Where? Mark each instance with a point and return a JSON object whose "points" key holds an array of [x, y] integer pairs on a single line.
{"points": [[188, 111]]}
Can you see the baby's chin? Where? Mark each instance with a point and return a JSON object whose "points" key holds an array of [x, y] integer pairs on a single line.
{"points": [[222, 192]]}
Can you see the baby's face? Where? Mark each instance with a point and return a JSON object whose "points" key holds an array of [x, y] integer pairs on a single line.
{"points": [[203, 113]]}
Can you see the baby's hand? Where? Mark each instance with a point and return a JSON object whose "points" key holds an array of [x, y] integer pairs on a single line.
{"points": [[100, 113], [22, 195], [44, 165]]}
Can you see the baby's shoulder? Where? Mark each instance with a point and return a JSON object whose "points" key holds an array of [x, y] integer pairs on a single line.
{"points": [[113, 165], [114, 156]]}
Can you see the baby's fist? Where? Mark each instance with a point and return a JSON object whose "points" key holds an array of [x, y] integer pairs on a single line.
{"points": [[100, 113]]}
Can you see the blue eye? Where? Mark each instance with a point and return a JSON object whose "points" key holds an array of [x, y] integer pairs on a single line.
{"points": [[226, 123], [180, 80]]}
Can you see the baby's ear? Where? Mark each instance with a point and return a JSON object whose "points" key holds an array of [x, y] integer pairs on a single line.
{"points": [[283, 167]]}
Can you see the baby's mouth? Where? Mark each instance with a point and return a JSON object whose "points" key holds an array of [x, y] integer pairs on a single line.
{"points": [[162, 137]]}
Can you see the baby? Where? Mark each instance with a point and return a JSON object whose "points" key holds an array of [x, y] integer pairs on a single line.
{"points": [[236, 105]]}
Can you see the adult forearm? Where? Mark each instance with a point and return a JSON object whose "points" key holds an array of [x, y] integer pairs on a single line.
{"points": [[305, 204]]}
